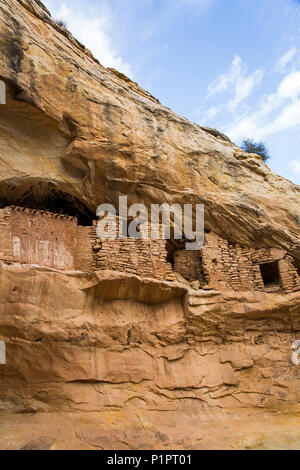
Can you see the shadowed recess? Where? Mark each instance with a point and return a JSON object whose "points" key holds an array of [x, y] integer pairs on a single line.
{"points": [[43, 195]]}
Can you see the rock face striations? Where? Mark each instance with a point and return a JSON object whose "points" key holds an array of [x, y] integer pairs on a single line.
{"points": [[103, 348]]}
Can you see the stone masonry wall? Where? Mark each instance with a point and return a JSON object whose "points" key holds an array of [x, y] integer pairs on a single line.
{"points": [[142, 257], [233, 267], [289, 275], [84, 258], [5, 235], [238, 268], [44, 238], [229, 266], [189, 265], [54, 240]]}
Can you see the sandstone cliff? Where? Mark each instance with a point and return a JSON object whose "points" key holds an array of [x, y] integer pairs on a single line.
{"points": [[77, 127], [149, 364]]}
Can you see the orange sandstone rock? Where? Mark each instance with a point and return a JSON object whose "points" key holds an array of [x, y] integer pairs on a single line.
{"points": [[108, 359]]}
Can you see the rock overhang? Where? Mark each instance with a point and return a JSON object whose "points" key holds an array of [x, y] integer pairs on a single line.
{"points": [[105, 153]]}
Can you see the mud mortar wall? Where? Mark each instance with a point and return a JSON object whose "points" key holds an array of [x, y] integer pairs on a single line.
{"points": [[38, 237]]}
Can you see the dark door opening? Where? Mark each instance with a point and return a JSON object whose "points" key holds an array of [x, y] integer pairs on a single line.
{"points": [[270, 275], [297, 266]]}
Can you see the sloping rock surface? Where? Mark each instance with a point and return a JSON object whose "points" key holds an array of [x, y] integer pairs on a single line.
{"points": [[108, 360]]}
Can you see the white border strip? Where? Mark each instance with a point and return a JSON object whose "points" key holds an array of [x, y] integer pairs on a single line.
{"points": [[2, 92], [2, 353]]}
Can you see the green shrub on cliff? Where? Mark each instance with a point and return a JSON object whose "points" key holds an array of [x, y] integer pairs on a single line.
{"points": [[250, 146]]}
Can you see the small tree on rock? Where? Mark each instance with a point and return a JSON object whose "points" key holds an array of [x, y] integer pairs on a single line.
{"points": [[61, 23], [250, 146]]}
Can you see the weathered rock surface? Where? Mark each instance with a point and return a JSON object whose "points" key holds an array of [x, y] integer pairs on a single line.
{"points": [[72, 125], [108, 360], [147, 358]]}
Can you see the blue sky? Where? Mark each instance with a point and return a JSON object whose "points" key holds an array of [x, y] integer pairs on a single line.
{"points": [[229, 64]]}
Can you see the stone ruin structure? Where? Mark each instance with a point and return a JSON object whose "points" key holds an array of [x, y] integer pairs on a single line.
{"points": [[142, 257], [32, 236], [37, 237], [45, 238], [224, 266]]}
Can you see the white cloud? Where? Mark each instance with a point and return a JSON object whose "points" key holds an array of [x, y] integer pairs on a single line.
{"points": [[290, 86], [209, 114], [276, 112], [223, 82], [285, 59], [244, 87], [93, 33], [237, 82], [295, 166], [212, 112], [288, 117]]}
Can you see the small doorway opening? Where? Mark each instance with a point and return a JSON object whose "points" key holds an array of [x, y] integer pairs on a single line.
{"points": [[270, 275]]}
